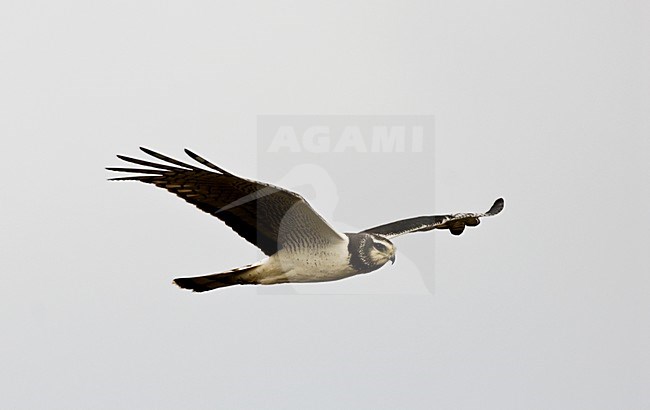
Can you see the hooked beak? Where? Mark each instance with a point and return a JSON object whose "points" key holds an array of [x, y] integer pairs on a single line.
{"points": [[392, 259]]}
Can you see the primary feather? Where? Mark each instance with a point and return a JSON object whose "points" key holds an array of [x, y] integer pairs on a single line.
{"points": [[267, 216]]}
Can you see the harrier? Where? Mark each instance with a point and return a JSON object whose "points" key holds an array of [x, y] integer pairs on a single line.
{"points": [[301, 246]]}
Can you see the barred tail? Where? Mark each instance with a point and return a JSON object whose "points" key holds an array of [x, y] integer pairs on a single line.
{"points": [[218, 280]]}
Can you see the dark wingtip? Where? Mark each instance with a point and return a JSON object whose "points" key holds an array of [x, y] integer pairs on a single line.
{"points": [[205, 162], [189, 284], [191, 154], [148, 151], [182, 283], [497, 207]]}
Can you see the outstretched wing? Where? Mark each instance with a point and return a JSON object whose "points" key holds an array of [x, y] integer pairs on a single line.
{"points": [[456, 223], [267, 216]]}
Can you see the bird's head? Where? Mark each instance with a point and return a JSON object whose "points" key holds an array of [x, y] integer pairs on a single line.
{"points": [[381, 250]]}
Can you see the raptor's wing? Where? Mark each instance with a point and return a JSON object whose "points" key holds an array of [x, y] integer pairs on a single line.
{"points": [[456, 223], [267, 216]]}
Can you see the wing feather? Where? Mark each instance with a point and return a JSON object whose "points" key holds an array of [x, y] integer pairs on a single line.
{"points": [[456, 223], [269, 217], [205, 162], [168, 159]]}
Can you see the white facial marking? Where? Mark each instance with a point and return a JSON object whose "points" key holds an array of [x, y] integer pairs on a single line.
{"points": [[382, 251]]}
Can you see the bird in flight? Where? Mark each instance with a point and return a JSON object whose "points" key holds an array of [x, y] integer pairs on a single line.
{"points": [[301, 246]]}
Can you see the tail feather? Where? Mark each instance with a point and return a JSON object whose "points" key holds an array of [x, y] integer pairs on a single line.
{"points": [[218, 280]]}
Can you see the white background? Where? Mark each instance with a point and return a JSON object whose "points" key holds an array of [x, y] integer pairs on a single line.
{"points": [[543, 102]]}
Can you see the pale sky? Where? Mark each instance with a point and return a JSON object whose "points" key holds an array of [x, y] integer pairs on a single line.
{"points": [[542, 102]]}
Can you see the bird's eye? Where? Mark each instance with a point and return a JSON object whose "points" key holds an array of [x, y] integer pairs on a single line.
{"points": [[380, 247]]}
